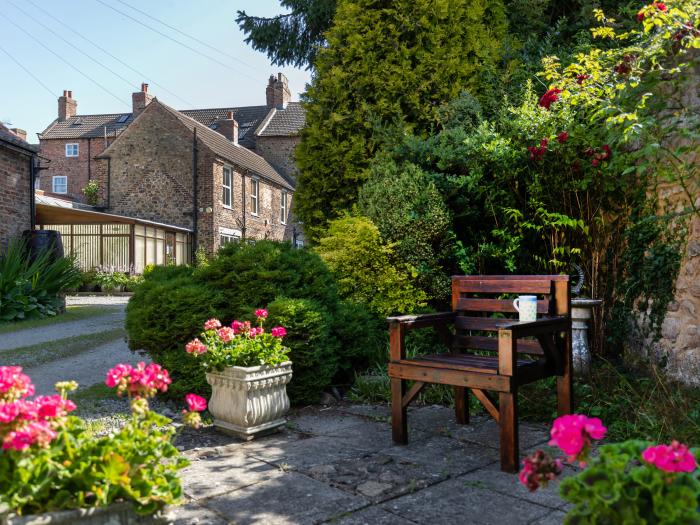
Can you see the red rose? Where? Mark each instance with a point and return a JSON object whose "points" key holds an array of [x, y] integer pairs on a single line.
{"points": [[581, 78], [660, 6], [607, 151], [563, 137], [550, 97], [594, 162], [640, 16]]}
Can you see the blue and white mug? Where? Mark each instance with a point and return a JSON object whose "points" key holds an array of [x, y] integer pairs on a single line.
{"points": [[526, 305]]}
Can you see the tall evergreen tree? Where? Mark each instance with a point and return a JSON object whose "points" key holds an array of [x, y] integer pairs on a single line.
{"points": [[386, 63], [293, 38]]}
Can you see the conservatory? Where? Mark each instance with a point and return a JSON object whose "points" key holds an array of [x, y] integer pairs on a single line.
{"points": [[112, 241]]}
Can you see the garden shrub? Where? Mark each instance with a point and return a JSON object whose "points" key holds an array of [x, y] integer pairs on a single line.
{"points": [[314, 349], [406, 207], [366, 270], [30, 284]]}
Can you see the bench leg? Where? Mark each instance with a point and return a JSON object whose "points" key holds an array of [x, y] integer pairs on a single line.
{"points": [[508, 415], [462, 404], [399, 429], [565, 386]]}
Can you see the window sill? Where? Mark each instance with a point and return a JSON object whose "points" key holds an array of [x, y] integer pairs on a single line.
{"points": [[227, 207]]}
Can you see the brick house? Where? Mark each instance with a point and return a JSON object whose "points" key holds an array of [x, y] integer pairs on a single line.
{"points": [[73, 141], [18, 161]]}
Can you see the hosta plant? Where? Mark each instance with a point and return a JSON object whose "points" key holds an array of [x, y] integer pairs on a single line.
{"points": [[632, 482], [50, 461], [241, 344]]}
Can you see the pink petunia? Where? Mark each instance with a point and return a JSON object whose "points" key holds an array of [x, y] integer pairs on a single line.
{"points": [[212, 324], [675, 457], [195, 403]]}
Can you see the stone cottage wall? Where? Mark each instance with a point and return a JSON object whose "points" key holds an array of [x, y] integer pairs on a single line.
{"points": [[15, 212]]}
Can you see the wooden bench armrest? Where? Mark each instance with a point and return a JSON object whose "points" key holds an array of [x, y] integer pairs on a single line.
{"points": [[422, 320], [545, 325]]}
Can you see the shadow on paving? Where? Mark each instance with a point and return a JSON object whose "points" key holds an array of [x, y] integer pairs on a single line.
{"points": [[339, 465]]}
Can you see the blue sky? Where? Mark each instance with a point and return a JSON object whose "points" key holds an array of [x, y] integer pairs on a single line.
{"points": [[236, 76]]}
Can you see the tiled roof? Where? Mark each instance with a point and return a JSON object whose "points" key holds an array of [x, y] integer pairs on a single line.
{"points": [[227, 150], [283, 122], [7, 136], [88, 126], [248, 119]]}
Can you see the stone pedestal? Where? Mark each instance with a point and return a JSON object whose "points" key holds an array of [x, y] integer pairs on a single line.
{"points": [[581, 313]]}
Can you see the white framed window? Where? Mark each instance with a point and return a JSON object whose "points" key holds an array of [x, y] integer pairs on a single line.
{"points": [[227, 184], [300, 243], [283, 207], [59, 184], [254, 196], [227, 235], [71, 150], [225, 239]]}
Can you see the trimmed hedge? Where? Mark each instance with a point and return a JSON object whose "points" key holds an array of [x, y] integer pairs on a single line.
{"points": [[328, 339]]}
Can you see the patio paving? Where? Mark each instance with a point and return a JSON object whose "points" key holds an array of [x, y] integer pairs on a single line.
{"points": [[339, 465]]}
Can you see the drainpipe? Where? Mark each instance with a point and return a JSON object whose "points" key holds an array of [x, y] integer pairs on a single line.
{"points": [[109, 181], [195, 182], [32, 187], [89, 161], [243, 228]]}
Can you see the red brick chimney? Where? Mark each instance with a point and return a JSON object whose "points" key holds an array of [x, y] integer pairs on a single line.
{"points": [[67, 107], [20, 133], [228, 127], [277, 92], [140, 100]]}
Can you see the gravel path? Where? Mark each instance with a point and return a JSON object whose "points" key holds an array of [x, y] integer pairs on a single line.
{"points": [[114, 318], [87, 368], [96, 300]]}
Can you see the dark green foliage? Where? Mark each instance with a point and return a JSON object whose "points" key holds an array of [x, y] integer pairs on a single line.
{"points": [[293, 38], [314, 349], [409, 212], [617, 486], [30, 284], [386, 63]]}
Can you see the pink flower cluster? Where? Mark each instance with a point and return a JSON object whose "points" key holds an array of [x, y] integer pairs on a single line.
{"points": [[25, 422], [195, 405], [573, 433], [139, 381], [195, 347], [278, 331], [212, 324], [670, 458], [261, 313], [538, 470]]}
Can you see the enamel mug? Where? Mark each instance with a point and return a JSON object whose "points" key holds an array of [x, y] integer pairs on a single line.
{"points": [[526, 305]]}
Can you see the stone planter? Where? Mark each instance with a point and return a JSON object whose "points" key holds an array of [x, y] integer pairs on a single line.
{"points": [[115, 514], [581, 313], [249, 401]]}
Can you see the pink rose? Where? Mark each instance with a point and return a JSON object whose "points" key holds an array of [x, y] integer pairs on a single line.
{"points": [[279, 331], [195, 347], [573, 433], [670, 458], [226, 334], [195, 403], [261, 313], [212, 324]]}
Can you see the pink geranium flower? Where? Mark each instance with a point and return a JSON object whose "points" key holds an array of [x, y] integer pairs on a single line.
{"points": [[573, 433], [51, 407], [278, 331], [675, 457], [261, 313], [226, 334], [239, 327], [212, 324], [117, 374], [195, 403], [14, 384], [9, 411], [195, 347]]}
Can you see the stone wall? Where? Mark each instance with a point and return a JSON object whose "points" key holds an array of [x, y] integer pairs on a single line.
{"points": [[15, 206], [79, 170], [279, 152]]}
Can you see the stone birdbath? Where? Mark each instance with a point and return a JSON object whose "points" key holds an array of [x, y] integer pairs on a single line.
{"points": [[581, 313]]}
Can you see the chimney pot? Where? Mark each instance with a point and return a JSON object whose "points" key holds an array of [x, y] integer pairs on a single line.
{"points": [[229, 115], [277, 92], [144, 87], [67, 106], [140, 99], [20, 133], [228, 127]]}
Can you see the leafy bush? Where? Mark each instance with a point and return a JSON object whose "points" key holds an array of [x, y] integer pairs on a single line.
{"points": [[406, 207], [30, 284], [313, 347], [365, 268]]}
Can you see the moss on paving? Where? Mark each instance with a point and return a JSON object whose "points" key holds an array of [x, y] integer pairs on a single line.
{"points": [[73, 313], [41, 353]]}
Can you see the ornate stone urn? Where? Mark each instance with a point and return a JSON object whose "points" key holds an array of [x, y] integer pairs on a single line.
{"points": [[250, 401], [581, 313]]}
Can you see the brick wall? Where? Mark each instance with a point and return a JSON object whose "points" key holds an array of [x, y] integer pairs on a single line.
{"points": [[279, 152], [79, 170], [14, 194]]}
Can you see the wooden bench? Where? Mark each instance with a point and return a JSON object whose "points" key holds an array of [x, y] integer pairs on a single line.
{"points": [[510, 353]]}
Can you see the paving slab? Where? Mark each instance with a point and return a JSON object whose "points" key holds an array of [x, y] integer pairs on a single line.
{"points": [[208, 476], [372, 516], [456, 501], [192, 513], [486, 432], [284, 500], [555, 517]]}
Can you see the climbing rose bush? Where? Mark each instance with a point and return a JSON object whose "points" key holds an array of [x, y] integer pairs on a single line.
{"points": [[50, 460], [240, 344], [629, 482]]}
